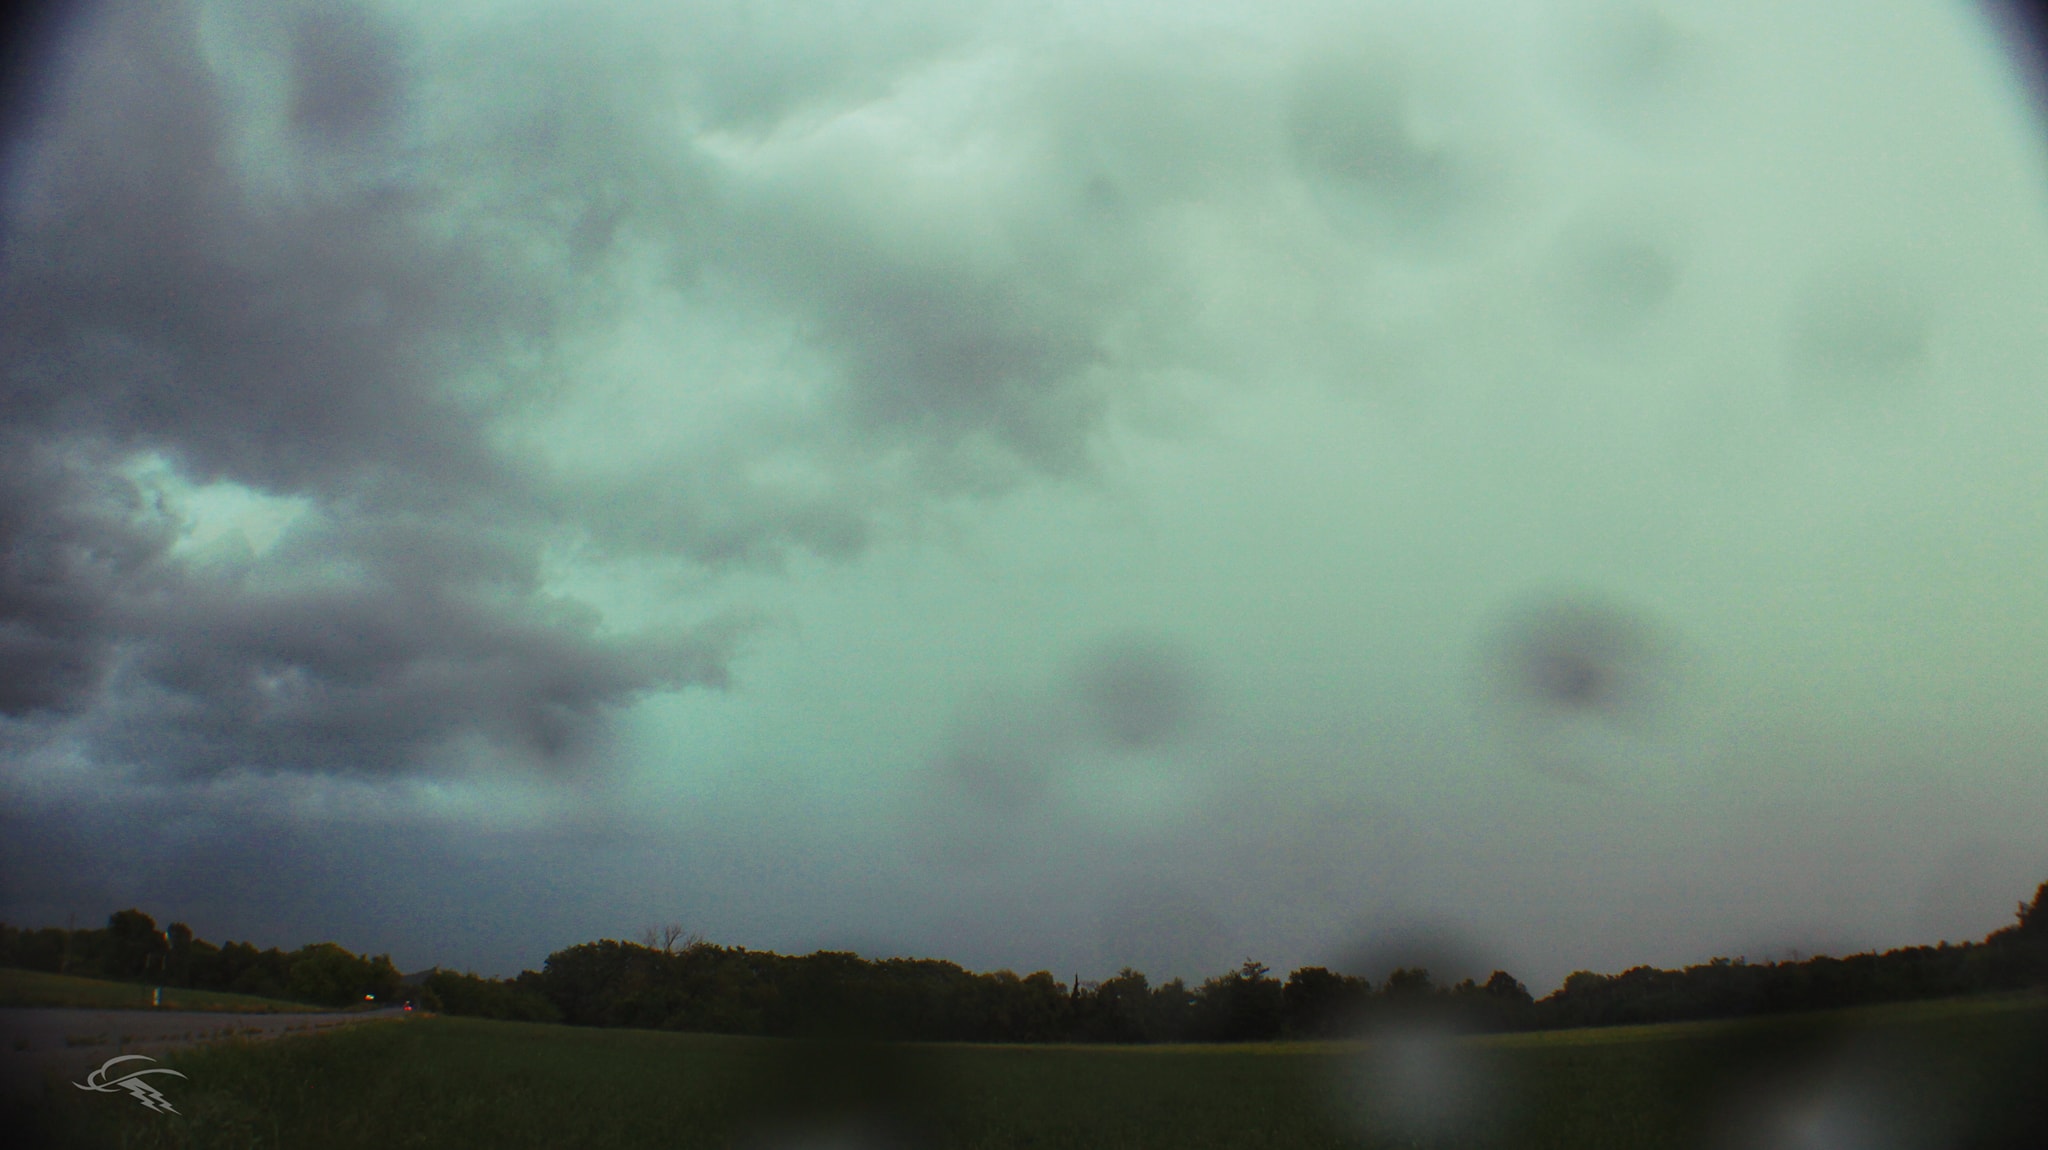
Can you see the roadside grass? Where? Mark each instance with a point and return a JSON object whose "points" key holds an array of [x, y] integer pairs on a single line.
{"points": [[37, 988], [1965, 1073]]}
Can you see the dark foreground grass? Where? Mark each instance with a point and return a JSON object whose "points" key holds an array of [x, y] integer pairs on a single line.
{"points": [[37, 988], [1959, 1074]]}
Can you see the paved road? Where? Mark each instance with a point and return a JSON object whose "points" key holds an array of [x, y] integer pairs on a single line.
{"points": [[38, 1043]]}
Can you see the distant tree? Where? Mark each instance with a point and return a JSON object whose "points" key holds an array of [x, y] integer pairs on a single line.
{"points": [[1117, 1010], [1171, 1012], [1507, 988], [678, 981], [178, 959], [202, 965], [134, 946], [1246, 1005], [471, 995], [1317, 1002], [330, 975], [1586, 981], [1408, 982], [34, 949], [264, 972], [1030, 1009], [583, 981], [424, 997], [2033, 917], [670, 938], [2016, 955], [1502, 1003]]}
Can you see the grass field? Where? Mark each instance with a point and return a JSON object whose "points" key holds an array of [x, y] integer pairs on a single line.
{"points": [[35, 988], [1962, 1073]]}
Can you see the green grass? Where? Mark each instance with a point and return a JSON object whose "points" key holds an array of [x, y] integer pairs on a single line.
{"points": [[36, 988], [446, 1082]]}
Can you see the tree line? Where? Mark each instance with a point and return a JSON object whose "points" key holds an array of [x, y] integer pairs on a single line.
{"points": [[2014, 957], [131, 949], [732, 990], [671, 982]]}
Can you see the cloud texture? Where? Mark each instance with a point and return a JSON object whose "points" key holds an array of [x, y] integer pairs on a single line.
{"points": [[256, 291], [1123, 483]]}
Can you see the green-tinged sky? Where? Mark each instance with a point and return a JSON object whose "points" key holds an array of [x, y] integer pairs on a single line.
{"points": [[1543, 485]]}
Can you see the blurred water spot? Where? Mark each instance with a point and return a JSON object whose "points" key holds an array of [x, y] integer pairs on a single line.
{"points": [[1137, 691], [1893, 1089], [1635, 51], [989, 787], [1578, 656], [1577, 684], [1634, 69], [1606, 285], [1432, 949], [1421, 1080], [1374, 157], [998, 768], [1858, 330], [1833, 1116]]}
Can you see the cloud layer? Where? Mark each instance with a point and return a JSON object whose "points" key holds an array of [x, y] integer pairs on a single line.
{"points": [[212, 288], [1139, 484]]}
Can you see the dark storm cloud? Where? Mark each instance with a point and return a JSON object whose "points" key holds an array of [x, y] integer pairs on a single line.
{"points": [[347, 313], [931, 353], [73, 538], [477, 319], [154, 298], [234, 868], [295, 335], [976, 365], [346, 79], [445, 637], [28, 32], [962, 346]]}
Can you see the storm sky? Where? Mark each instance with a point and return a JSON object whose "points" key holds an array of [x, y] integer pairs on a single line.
{"points": [[1507, 484]]}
